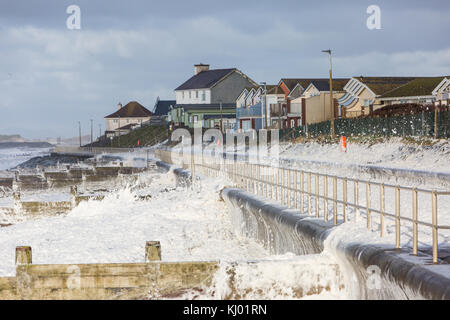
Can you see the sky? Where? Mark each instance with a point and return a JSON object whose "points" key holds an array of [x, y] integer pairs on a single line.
{"points": [[51, 77]]}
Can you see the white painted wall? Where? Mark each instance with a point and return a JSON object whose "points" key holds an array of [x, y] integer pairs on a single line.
{"points": [[183, 97], [113, 123]]}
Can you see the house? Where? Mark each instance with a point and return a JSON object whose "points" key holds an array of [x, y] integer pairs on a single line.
{"points": [[126, 118], [162, 107], [160, 112], [442, 92], [423, 90], [251, 109], [282, 114], [205, 115], [362, 93], [209, 97], [314, 104]]}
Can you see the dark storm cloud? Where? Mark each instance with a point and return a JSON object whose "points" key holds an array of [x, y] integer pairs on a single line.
{"points": [[136, 50]]}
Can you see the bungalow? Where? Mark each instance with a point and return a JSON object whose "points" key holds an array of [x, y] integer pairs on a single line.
{"points": [[362, 93], [209, 97], [126, 118], [422, 90], [442, 92], [314, 103], [289, 117]]}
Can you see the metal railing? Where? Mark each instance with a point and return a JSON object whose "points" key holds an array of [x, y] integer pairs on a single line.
{"points": [[313, 193]]}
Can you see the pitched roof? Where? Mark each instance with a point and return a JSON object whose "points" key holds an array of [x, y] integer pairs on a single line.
{"points": [[205, 79], [304, 82], [418, 87], [381, 85], [274, 89], [132, 109], [324, 84], [162, 107]]}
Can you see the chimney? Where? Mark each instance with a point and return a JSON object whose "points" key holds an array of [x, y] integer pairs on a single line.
{"points": [[200, 67], [119, 106]]}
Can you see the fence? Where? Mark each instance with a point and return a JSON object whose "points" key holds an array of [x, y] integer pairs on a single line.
{"points": [[420, 124], [310, 193]]}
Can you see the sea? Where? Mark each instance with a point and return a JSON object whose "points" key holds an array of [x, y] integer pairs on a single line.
{"points": [[10, 157]]}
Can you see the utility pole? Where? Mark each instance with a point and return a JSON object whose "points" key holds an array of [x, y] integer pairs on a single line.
{"points": [[331, 93], [119, 132], [221, 117], [92, 134], [99, 131], [265, 105], [79, 131]]}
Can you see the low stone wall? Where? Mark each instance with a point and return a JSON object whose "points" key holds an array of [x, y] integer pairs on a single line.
{"points": [[36, 208], [106, 281], [6, 182], [150, 280]]}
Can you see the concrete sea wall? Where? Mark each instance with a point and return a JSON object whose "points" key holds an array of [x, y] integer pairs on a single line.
{"points": [[282, 230]]}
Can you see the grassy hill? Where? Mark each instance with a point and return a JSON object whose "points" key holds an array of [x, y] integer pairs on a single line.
{"points": [[147, 136]]}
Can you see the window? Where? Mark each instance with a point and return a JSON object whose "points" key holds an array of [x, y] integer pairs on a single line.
{"points": [[292, 123], [116, 121], [212, 124], [196, 94], [190, 118], [182, 94], [203, 95], [195, 119], [189, 94]]}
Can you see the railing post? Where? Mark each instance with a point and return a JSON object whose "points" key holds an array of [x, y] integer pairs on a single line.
{"points": [[317, 187], [277, 183], [309, 193], [259, 179], [397, 217], [264, 185], [344, 199], [369, 218], [295, 189], [282, 186], [335, 200], [302, 187], [356, 196], [288, 187], [272, 181], [325, 200], [415, 225], [382, 210], [435, 226]]}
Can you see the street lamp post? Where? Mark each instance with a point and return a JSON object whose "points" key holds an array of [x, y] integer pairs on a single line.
{"points": [[221, 117], [331, 93], [79, 131], [265, 104]]}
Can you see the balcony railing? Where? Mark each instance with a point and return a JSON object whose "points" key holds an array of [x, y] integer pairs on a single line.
{"points": [[252, 111]]}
